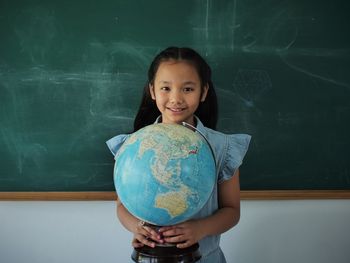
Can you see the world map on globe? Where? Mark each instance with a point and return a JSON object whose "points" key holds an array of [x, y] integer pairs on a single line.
{"points": [[164, 173]]}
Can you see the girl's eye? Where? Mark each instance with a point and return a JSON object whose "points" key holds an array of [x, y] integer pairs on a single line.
{"points": [[165, 88], [188, 89]]}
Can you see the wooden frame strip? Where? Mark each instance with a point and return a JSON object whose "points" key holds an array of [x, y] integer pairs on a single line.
{"points": [[295, 194], [110, 195]]}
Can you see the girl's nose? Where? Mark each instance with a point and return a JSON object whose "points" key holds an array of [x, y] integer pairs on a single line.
{"points": [[176, 97]]}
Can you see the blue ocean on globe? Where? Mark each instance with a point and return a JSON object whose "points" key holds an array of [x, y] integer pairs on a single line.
{"points": [[164, 173]]}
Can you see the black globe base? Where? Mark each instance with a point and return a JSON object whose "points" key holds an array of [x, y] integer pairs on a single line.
{"points": [[166, 254]]}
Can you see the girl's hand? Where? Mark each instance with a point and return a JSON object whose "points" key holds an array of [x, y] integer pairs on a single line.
{"points": [[144, 234], [184, 235]]}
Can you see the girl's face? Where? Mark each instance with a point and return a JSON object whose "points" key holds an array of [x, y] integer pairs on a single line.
{"points": [[177, 91]]}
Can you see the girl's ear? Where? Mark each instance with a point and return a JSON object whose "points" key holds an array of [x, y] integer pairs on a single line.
{"points": [[151, 90], [205, 92]]}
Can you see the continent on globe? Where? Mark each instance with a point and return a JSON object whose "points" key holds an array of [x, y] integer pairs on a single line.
{"points": [[174, 202], [164, 173]]}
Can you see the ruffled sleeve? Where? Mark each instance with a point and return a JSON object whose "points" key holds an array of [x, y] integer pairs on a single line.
{"points": [[234, 152], [116, 142]]}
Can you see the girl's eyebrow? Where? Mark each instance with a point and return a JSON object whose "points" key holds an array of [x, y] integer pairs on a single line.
{"points": [[164, 82], [189, 83], [169, 82]]}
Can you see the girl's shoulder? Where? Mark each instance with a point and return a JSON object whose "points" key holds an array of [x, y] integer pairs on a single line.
{"points": [[116, 142], [229, 151], [221, 139]]}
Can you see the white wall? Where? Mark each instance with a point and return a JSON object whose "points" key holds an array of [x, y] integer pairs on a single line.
{"points": [[269, 231]]}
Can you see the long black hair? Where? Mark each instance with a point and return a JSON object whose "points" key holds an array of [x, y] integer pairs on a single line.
{"points": [[207, 110]]}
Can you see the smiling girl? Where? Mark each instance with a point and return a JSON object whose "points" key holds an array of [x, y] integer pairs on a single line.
{"points": [[180, 89]]}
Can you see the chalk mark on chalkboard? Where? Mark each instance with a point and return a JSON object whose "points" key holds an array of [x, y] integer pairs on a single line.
{"points": [[215, 25], [309, 73], [250, 85], [26, 142], [252, 41], [12, 147], [36, 29], [207, 21], [23, 150], [133, 51], [10, 123], [234, 26]]}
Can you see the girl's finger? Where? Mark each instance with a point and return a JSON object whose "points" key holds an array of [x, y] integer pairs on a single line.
{"points": [[175, 239], [184, 244], [166, 228], [146, 241], [135, 243], [152, 233], [172, 232]]}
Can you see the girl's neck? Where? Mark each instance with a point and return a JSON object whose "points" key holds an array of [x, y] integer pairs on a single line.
{"points": [[194, 124]]}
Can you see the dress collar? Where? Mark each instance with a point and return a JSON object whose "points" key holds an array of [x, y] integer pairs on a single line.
{"points": [[199, 126]]}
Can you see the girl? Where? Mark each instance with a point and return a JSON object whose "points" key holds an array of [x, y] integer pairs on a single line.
{"points": [[180, 89]]}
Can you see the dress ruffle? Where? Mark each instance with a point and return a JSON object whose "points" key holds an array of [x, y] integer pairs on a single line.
{"points": [[116, 142], [236, 148]]}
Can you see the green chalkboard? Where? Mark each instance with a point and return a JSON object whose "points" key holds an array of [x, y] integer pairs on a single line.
{"points": [[71, 75]]}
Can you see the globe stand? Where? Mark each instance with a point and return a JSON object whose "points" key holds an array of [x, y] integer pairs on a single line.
{"points": [[166, 254]]}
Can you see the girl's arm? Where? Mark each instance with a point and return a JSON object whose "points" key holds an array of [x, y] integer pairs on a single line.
{"points": [[143, 235], [227, 216], [229, 211]]}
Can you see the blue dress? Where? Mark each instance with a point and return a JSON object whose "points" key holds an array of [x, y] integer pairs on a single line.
{"points": [[229, 152]]}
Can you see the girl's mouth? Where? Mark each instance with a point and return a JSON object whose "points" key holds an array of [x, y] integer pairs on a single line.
{"points": [[176, 109]]}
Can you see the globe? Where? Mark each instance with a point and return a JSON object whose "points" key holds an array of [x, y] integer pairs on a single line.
{"points": [[164, 173]]}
